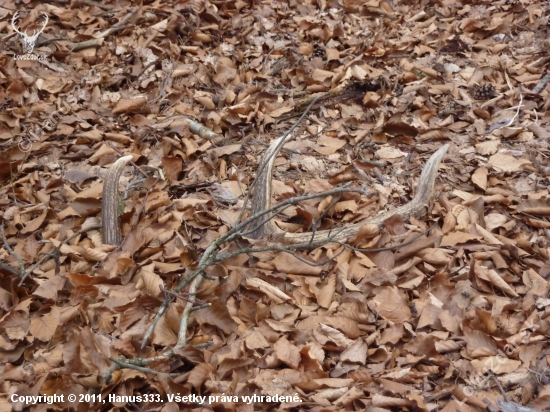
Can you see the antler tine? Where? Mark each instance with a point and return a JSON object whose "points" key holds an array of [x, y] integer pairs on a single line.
{"points": [[13, 20]]}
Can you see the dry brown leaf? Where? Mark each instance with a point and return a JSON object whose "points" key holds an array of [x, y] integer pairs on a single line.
{"points": [[479, 177], [287, 263], [217, 315], [539, 207], [506, 163], [287, 353], [498, 364], [129, 105], [455, 238], [149, 280], [356, 353], [391, 305], [488, 147], [389, 153], [185, 96], [44, 327], [325, 296]]}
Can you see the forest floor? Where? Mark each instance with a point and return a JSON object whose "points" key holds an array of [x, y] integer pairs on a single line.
{"points": [[449, 312]]}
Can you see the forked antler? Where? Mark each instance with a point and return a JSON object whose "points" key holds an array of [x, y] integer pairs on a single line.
{"points": [[27, 41], [262, 200]]}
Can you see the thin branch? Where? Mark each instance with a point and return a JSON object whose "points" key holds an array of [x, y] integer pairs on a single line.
{"points": [[105, 7], [181, 295], [118, 26], [165, 82], [11, 252], [182, 335], [203, 345], [210, 256], [84, 44], [204, 132], [146, 67], [120, 152], [164, 306], [9, 269], [201, 306], [132, 366], [314, 224], [286, 249]]}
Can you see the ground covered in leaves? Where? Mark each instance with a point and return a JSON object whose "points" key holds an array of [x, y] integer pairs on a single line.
{"points": [[454, 319]]}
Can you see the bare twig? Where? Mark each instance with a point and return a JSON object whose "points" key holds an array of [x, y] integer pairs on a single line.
{"points": [[541, 84], [164, 306], [92, 3], [181, 295], [120, 152], [11, 252], [127, 363], [72, 46], [84, 44], [167, 80], [118, 26], [286, 249], [492, 375], [204, 132], [9, 269]]}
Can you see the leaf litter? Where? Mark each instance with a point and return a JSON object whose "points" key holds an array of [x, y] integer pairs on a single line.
{"points": [[447, 317]]}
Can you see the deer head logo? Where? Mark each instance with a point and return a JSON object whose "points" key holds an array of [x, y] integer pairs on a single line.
{"points": [[27, 41]]}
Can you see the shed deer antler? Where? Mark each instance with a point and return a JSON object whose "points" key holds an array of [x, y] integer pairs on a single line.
{"points": [[27, 41]]}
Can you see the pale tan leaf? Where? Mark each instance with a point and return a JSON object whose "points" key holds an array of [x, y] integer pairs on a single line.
{"points": [[287, 263], [200, 373], [479, 177], [44, 327], [356, 353], [335, 336], [386, 401], [256, 340], [500, 283], [391, 304], [48, 289], [494, 220], [389, 153], [325, 296], [456, 238], [149, 280], [217, 314], [287, 353], [507, 163], [488, 147], [163, 334], [498, 364], [447, 346]]}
